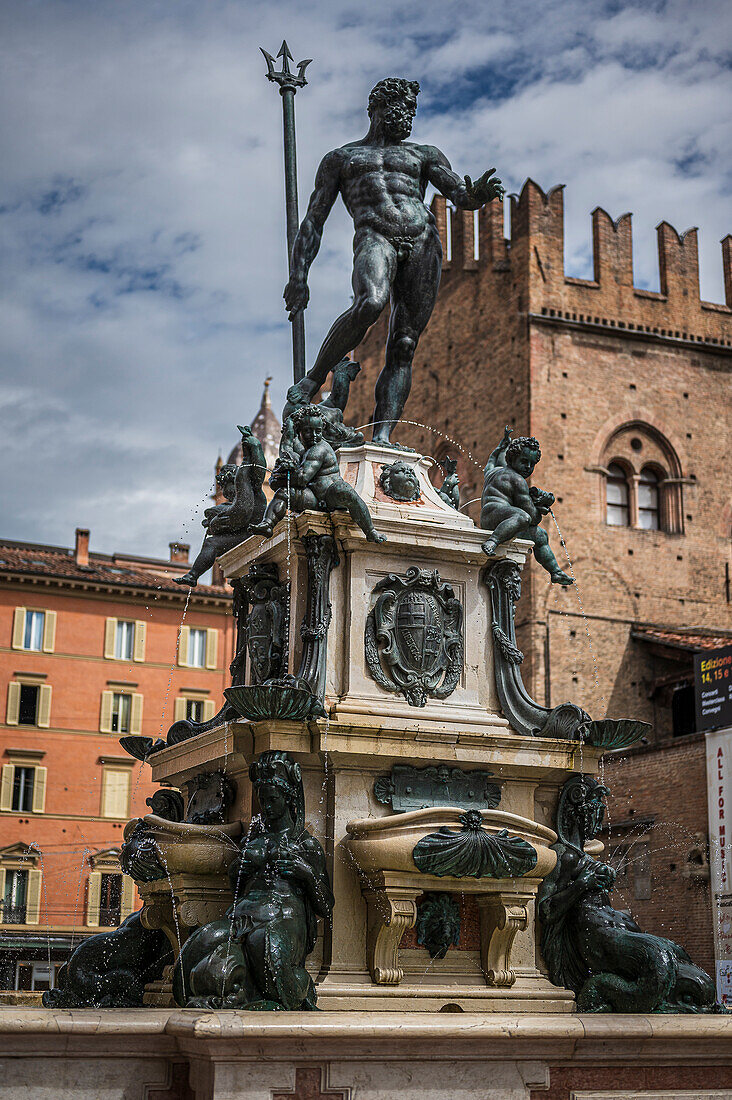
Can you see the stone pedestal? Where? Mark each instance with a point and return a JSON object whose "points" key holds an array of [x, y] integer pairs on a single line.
{"points": [[371, 726]]}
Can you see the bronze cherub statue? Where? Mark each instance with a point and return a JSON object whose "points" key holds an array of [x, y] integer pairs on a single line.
{"points": [[311, 479], [510, 508]]}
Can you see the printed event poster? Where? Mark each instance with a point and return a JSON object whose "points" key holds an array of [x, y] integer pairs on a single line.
{"points": [[719, 791]]}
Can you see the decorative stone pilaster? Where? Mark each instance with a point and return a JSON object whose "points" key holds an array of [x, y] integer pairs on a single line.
{"points": [[322, 557]]}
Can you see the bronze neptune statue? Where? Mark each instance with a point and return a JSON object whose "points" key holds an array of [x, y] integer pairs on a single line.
{"points": [[382, 179], [255, 959]]}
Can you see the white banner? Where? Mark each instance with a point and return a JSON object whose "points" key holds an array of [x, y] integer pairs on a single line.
{"points": [[719, 794]]}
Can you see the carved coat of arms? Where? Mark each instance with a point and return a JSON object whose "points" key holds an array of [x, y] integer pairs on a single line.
{"points": [[414, 636]]}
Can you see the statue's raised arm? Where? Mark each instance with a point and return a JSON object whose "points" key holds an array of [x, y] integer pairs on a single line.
{"points": [[462, 192]]}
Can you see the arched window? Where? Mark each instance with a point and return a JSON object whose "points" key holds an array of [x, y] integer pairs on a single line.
{"points": [[648, 500], [618, 497], [643, 479]]}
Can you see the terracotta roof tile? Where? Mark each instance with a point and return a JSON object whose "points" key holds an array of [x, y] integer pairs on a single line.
{"points": [[56, 561], [691, 638]]}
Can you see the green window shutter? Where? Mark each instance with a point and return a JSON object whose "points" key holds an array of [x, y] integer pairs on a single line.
{"points": [[209, 709], [94, 891], [110, 636], [44, 706], [185, 634], [136, 713], [11, 714], [18, 628], [105, 720], [138, 649], [128, 897], [6, 789], [212, 648], [49, 631], [179, 709], [33, 898], [39, 790]]}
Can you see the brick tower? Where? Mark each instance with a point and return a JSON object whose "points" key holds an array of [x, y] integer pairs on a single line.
{"points": [[628, 392]]}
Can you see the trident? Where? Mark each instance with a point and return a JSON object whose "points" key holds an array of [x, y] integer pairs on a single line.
{"points": [[289, 82]]}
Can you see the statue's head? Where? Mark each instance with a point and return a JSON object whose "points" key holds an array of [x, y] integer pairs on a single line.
{"points": [[394, 102], [399, 481], [581, 809], [308, 423], [522, 454], [277, 781]]}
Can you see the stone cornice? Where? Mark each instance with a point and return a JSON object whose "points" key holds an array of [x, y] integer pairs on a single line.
{"points": [[605, 328]]}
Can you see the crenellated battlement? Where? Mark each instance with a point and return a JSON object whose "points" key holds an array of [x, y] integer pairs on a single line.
{"points": [[534, 252]]}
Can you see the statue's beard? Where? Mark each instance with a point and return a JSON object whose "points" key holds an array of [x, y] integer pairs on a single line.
{"points": [[398, 124]]}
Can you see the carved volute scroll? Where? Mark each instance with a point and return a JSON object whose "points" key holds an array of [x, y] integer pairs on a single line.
{"points": [[502, 916], [525, 715], [390, 912]]}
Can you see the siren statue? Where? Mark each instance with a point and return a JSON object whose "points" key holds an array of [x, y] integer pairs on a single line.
{"points": [[597, 951], [382, 179], [255, 958]]}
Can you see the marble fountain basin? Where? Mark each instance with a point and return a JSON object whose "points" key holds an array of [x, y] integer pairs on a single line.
{"points": [[387, 843], [185, 848]]}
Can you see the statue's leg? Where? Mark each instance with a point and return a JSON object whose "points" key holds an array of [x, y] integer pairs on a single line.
{"points": [[276, 509], [413, 298], [212, 547], [341, 495], [374, 265], [545, 557], [275, 957], [507, 523]]}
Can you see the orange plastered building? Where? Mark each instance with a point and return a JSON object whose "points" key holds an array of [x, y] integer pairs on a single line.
{"points": [[92, 647]]}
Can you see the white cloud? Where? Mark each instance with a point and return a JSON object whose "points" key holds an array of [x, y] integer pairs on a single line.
{"points": [[143, 217]]}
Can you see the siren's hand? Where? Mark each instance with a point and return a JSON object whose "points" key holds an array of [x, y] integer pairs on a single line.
{"points": [[296, 296], [484, 189], [294, 867]]}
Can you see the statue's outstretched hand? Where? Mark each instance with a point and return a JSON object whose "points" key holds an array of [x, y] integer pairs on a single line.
{"points": [[296, 295], [295, 867], [484, 189]]}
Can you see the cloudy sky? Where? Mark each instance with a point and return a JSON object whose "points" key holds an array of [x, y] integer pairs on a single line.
{"points": [[142, 232]]}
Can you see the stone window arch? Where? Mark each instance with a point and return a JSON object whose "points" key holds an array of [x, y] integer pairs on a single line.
{"points": [[653, 476]]}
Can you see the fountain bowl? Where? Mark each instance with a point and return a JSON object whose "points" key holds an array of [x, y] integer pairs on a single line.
{"points": [[614, 733], [387, 843], [258, 702], [190, 849]]}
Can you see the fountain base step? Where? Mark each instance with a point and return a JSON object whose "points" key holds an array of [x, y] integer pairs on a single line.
{"points": [[157, 1054]]}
